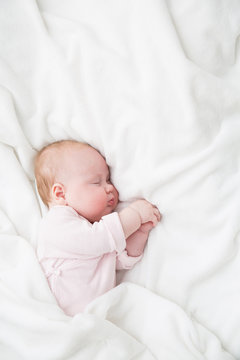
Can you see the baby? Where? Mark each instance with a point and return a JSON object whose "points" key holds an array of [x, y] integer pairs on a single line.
{"points": [[82, 241]]}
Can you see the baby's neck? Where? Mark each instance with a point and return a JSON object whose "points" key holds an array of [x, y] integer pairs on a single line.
{"points": [[60, 202]]}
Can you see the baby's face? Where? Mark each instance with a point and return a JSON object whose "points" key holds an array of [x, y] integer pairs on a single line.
{"points": [[88, 188]]}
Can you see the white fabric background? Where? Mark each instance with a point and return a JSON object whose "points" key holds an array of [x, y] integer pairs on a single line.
{"points": [[154, 85]]}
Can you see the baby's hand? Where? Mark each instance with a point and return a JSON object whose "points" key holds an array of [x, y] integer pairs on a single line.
{"points": [[147, 212], [136, 214], [135, 244], [146, 227]]}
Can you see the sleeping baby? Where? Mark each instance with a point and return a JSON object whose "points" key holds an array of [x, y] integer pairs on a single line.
{"points": [[82, 241]]}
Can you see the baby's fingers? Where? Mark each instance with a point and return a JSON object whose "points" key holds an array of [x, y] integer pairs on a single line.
{"points": [[155, 220], [157, 213]]}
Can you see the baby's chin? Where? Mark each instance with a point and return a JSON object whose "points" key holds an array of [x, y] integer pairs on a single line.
{"points": [[97, 217], [107, 211]]}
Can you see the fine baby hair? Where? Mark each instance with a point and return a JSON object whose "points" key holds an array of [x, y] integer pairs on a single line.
{"points": [[47, 164]]}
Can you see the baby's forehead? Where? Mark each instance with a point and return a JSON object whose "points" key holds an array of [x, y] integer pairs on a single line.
{"points": [[86, 158]]}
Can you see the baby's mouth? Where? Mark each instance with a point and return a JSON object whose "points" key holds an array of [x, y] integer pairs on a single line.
{"points": [[110, 202]]}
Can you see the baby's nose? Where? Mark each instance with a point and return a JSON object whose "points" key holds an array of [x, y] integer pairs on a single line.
{"points": [[109, 188]]}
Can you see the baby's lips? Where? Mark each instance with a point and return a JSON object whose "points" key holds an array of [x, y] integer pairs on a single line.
{"points": [[111, 201]]}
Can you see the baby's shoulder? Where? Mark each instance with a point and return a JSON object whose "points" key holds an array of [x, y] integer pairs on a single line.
{"points": [[59, 216], [62, 210], [58, 223]]}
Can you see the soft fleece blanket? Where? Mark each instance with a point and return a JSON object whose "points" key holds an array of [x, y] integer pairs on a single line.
{"points": [[154, 85]]}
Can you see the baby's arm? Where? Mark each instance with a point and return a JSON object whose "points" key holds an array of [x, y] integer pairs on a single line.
{"points": [[136, 214], [137, 241]]}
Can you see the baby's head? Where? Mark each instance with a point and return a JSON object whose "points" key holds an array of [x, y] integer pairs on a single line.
{"points": [[74, 174]]}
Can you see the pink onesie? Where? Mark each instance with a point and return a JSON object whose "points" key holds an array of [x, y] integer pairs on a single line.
{"points": [[80, 259]]}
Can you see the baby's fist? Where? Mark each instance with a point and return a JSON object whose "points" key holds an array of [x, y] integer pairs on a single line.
{"points": [[146, 211]]}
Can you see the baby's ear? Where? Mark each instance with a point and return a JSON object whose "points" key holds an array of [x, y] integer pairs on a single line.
{"points": [[58, 192]]}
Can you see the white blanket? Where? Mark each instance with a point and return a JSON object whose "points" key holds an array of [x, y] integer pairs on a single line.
{"points": [[154, 85]]}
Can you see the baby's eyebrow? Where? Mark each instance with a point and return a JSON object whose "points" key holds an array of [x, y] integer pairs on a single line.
{"points": [[103, 173], [93, 177], [98, 175]]}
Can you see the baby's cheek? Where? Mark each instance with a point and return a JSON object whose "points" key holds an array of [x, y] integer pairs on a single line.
{"points": [[117, 195], [99, 201]]}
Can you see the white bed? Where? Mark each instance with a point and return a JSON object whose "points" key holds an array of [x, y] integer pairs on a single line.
{"points": [[155, 86]]}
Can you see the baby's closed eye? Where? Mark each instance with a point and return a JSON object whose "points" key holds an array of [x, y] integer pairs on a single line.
{"points": [[95, 181]]}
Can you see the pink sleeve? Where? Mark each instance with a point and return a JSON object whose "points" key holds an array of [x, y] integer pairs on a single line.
{"points": [[124, 261], [72, 236]]}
